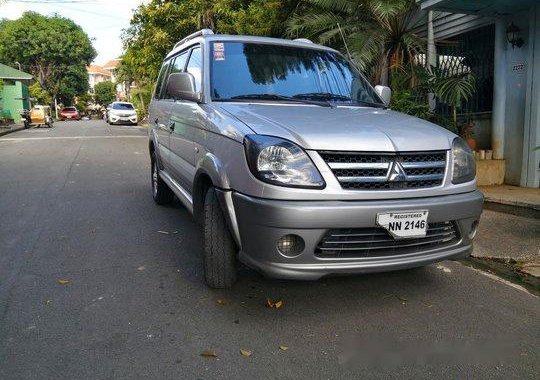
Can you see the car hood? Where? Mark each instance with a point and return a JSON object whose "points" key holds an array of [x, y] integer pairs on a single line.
{"points": [[123, 112], [342, 128]]}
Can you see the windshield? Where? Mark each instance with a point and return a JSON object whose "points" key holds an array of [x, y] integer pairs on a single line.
{"points": [[70, 109], [122, 106], [252, 71]]}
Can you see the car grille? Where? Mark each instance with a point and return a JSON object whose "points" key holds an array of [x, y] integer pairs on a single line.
{"points": [[387, 171], [377, 242]]}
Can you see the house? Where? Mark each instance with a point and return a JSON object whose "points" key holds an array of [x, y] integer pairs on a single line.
{"points": [[107, 72], [13, 92], [498, 41], [97, 74]]}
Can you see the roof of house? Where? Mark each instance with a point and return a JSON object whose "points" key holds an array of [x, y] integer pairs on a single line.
{"points": [[112, 64], [7, 72], [96, 69]]}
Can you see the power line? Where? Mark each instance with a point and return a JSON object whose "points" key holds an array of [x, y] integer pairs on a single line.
{"points": [[53, 1]]}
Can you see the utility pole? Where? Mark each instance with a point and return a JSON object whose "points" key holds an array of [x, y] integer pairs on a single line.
{"points": [[55, 108]]}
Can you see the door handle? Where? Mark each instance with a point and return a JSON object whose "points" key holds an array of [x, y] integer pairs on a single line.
{"points": [[171, 126]]}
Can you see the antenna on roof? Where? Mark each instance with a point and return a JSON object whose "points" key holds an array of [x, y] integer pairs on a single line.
{"points": [[344, 41]]}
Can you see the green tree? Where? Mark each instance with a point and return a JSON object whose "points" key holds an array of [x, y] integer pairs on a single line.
{"points": [[158, 25], [104, 92], [73, 83], [53, 49], [379, 33], [39, 94]]}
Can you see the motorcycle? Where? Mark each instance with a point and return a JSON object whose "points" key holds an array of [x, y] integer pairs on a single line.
{"points": [[25, 117]]}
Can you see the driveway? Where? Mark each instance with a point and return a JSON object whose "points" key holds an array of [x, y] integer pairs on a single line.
{"points": [[98, 282]]}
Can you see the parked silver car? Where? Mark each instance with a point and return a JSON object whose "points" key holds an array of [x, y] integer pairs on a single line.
{"points": [[294, 164]]}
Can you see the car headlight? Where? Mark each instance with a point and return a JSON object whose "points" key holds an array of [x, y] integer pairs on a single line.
{"points": [[281, 162], [464, 169]]}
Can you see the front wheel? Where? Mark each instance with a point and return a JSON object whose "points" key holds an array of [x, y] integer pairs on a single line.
{"points": [[219, 247], [161, 193]]}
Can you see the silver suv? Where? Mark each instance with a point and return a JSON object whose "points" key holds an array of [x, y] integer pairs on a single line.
{"points": [[294, 165]]}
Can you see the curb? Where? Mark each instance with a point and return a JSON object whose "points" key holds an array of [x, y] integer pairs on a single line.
{"points": [[507, 271], [511, 203], [3, 133]]}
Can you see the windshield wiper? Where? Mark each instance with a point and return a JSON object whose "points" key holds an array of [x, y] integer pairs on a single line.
{"points": [[337, 97], [277, 97]]}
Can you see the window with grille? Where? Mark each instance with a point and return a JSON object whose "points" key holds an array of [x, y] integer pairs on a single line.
{"points": [[470, 52]]}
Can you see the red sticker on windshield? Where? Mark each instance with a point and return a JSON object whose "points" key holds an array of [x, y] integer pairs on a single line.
{"points": [[219, 51]]}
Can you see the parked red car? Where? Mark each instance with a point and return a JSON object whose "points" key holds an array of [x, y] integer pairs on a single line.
{"points": [[70, 113]]}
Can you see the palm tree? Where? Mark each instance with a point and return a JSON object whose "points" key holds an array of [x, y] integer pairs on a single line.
{"points": [[379, 34], [452, 88]]}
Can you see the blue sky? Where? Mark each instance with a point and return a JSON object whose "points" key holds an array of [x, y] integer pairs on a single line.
{"points": [[102, 20]]}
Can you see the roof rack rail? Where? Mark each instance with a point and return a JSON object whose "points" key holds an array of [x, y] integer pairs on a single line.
{"points": [[202, 32], [305, 40]]}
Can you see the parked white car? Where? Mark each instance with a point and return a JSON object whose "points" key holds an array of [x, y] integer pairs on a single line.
{"points": [[121, 113]]}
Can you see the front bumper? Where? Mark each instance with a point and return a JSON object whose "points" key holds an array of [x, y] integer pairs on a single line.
{"points": [[259, 223], [123, 119]]}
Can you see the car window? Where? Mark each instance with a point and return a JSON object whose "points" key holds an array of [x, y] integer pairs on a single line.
{"points": [[288, 71], [122, 106], [179, 63], [194, 67], [161, 79]]}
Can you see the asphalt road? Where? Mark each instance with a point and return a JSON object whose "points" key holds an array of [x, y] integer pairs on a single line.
{"points": [[98, 282]]}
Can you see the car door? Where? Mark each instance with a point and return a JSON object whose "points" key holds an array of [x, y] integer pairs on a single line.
{"points": [[185, 116], [159, 115]]}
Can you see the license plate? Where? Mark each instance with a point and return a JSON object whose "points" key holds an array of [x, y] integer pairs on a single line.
{"points": [[404, 224], [68, 117]]}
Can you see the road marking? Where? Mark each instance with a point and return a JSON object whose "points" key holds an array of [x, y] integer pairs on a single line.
{"points": [[503, 281], [71, 138]]}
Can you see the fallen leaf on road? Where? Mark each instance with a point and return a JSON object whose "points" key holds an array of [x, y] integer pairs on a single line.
{"points": [[142, 267], [427, 304], [283, 348], [63, 281], [274, 304], [163, 232], [444, 269], [221, 302], [245, 353], [209, 354]]}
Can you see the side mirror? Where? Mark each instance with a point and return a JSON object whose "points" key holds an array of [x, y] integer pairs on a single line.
{"points": [[182, 86], [384, 92]]}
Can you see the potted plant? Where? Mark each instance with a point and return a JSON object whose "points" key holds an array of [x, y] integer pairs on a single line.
{"points": [[467, 133]]}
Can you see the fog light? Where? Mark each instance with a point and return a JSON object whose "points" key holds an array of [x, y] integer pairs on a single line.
{"points": [[290, 245], [474, 229]]}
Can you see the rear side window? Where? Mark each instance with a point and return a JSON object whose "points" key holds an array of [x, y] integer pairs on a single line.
{"points": [[194, 67], [163, 74]]}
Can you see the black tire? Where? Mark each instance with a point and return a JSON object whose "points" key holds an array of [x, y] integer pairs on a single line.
{"points": [[161, 193], [219, 247]]}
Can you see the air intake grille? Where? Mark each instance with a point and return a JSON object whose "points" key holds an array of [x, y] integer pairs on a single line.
{"points": [[377, 242], [387, 171]]}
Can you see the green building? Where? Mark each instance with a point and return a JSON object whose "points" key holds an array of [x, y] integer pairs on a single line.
{"points": [[13, 92]]}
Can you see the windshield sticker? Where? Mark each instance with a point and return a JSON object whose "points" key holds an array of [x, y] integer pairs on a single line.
{"points": [[219, 51]]}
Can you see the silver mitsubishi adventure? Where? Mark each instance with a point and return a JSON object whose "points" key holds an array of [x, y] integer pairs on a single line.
{"points": [[294, 165]]}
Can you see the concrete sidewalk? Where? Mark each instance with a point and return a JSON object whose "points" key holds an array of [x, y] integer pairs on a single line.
{"points": [[509, 238], [4, 130], [512, 196]]}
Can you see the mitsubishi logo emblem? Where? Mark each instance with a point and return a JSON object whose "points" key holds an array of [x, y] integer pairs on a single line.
{"points": [[396, 173]]}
